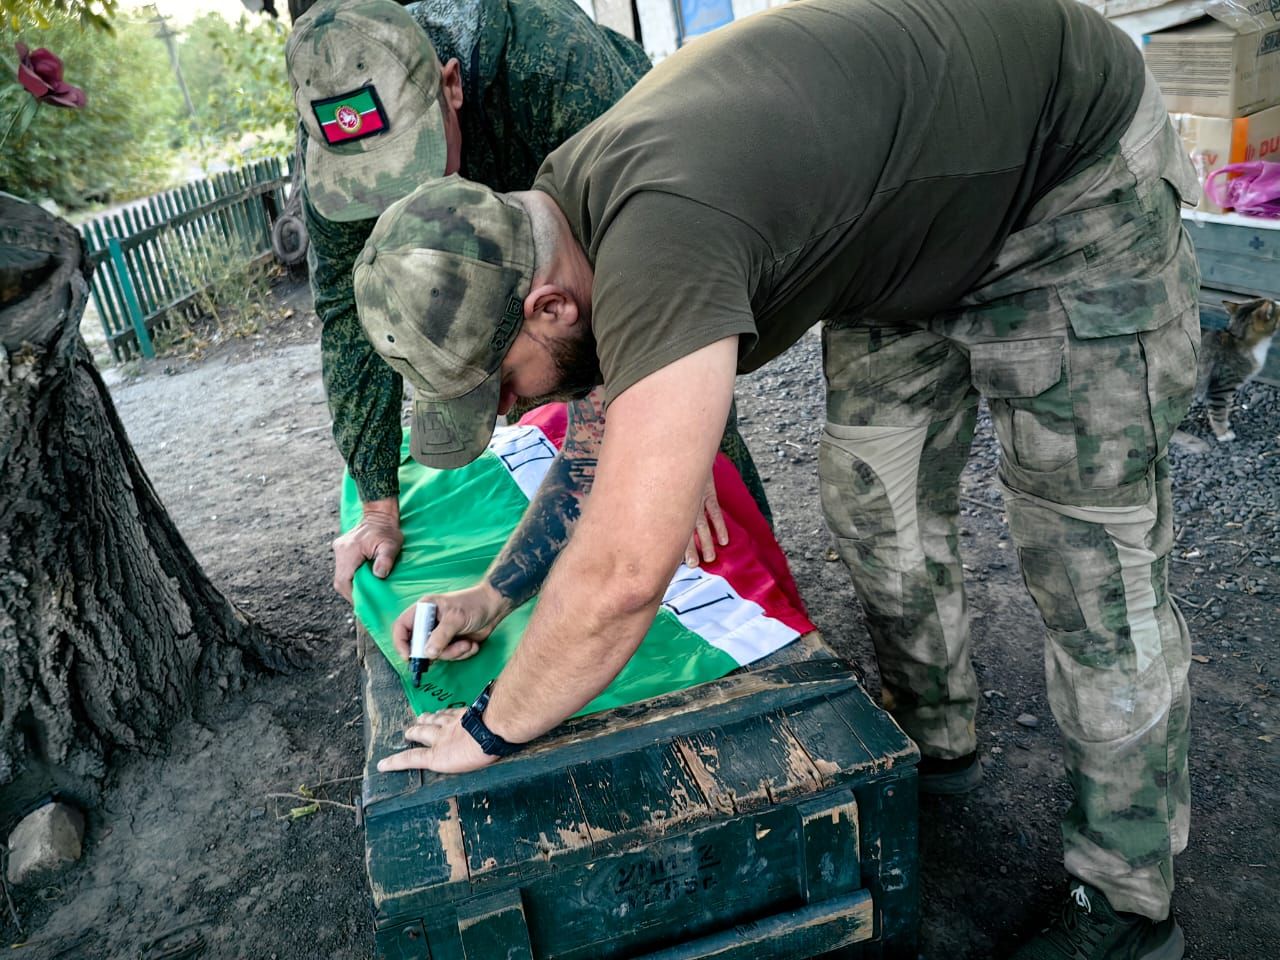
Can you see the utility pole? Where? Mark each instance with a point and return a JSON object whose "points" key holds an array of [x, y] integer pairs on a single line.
{"points": [[167, 35], [169, 39]]}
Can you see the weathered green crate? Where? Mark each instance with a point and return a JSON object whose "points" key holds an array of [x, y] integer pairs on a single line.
{"points": [[770, 814]]}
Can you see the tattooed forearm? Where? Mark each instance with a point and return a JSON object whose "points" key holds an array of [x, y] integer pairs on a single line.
{"points": [[523, 565], [519, 571]]}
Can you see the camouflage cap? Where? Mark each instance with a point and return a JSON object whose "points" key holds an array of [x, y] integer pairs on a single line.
{"points": [[365, 81], [440, 290]]}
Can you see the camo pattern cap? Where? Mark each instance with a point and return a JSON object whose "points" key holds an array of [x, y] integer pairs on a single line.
{"points": [[440, 290], [533, 73], [366, 84]]}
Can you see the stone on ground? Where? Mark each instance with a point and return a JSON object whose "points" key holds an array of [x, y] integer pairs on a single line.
{"points": [[44, 842], [1189, 442]]}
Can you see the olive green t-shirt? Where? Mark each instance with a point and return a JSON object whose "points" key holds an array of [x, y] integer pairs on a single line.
{"points": [[830, 159]]}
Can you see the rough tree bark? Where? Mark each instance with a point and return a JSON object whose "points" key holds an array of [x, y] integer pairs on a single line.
{"points": [[109, 629]]}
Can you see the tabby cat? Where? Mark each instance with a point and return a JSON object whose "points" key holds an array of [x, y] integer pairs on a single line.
{"points": [[1230, 357]]}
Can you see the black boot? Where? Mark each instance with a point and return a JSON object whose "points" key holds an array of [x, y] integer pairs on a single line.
{"points": [[1089, 929]]}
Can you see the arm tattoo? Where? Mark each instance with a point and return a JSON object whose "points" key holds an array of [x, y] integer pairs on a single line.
{"points": [[523, 564]]}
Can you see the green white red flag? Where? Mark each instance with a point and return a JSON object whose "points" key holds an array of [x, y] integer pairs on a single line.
{"points": [[712, 620], [351, 116]]}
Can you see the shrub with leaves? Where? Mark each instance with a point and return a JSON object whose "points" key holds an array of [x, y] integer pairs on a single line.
{"points": [[114, 148], [44, 13], [231, 292], [239, 85]]}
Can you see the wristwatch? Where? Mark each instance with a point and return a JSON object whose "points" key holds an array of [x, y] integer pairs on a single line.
{"points": [[473, 722]]}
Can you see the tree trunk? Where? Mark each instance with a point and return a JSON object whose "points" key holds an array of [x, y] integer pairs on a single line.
{"points": [[109, 629]]}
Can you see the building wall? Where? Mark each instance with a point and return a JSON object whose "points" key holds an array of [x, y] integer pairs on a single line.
{"points": [[744, 8], [659, 28], [616, 15]]}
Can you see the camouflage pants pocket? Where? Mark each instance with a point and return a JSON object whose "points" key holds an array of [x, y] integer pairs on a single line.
{"points": [[1128, 393], [1173, 353], [1030, 405], [1102, 685], [1082, 420]]}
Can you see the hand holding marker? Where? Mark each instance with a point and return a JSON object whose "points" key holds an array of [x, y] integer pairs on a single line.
{"points": [[424, 621]]}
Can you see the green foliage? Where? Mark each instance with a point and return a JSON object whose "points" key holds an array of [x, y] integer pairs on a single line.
{"points": [[239, 86], [126, 140], [21, 119], [45, 13], [117, 146]]}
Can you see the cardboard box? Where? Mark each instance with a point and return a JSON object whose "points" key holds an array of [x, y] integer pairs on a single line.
{"points": [[1218, 68], [1214, 142]]}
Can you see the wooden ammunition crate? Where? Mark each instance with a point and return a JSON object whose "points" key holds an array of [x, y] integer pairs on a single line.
{"points": [[770, 814]]}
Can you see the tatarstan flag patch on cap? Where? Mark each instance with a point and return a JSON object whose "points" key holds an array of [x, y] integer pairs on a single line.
{"points": [[350, 116]]}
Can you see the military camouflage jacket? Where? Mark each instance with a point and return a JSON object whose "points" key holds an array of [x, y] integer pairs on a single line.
{"points": [[534, 72]]}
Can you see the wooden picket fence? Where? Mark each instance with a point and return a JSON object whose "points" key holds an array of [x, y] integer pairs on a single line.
{"points": [[152, 260]]}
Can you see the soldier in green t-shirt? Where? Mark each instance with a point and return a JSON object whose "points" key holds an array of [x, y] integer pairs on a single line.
{"points": [[389, 96], [976, 199]]}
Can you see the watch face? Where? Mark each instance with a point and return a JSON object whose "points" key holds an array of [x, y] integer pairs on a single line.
{"points": [[472, 723]]}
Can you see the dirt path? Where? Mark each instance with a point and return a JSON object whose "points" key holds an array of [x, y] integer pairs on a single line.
{"points": [[189, 847]]}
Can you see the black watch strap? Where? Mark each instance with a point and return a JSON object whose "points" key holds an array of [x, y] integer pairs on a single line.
{"points": [[473, 723]]}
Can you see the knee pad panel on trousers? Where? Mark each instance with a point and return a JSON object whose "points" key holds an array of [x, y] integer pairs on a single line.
{"points": [[859, 512], [1101, 704]]}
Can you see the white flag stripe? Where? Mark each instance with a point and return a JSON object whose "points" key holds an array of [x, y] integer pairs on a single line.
{"points": [[526, 453], [703, 602], [707, 604]]}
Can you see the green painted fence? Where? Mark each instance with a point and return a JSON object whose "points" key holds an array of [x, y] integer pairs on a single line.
{"points": [[152, 260]]}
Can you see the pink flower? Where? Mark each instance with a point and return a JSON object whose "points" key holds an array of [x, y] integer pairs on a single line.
{"points": [[40, 72]]}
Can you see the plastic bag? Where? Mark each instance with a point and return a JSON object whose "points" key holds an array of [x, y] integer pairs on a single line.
{"points": [[1254, 188]]}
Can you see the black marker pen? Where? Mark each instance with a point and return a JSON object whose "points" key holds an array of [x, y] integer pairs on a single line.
{"points": [[424, 621]]}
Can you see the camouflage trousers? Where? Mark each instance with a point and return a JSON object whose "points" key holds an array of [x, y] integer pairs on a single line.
{"points": [[1083, 338]]}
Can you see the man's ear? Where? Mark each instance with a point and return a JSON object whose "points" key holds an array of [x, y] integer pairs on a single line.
{"points": [[549, 308], [451, 83]]}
